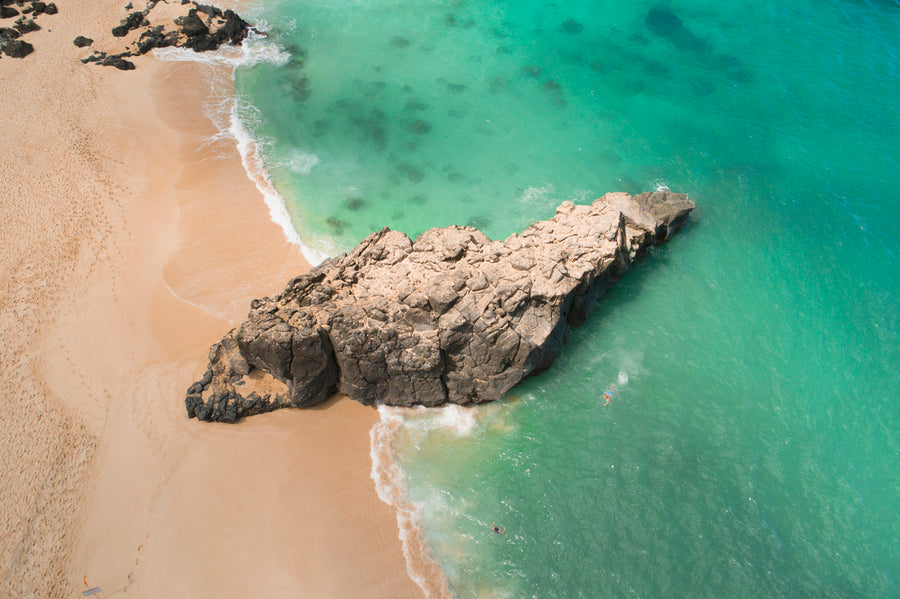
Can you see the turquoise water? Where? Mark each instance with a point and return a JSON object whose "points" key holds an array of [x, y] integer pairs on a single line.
{"points": [[750, 445]]}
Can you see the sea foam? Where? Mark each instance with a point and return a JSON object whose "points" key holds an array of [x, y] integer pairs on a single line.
{"points": [[389, 485], [255, 49]]}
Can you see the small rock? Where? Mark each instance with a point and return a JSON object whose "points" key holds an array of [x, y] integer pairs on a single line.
{"points": [[82, 41], [18, 49], [94, 57], [51, 9], [132, 21], [7, 12], [118, 62], [24, 25]]}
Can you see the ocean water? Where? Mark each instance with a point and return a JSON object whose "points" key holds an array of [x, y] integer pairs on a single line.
{"points": [[750, 444]]}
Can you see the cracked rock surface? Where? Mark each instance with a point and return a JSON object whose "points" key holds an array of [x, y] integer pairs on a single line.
{"points": [[451, 316]]}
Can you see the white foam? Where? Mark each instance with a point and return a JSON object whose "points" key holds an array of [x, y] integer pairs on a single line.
{"points": [[457, 419], [255, 49], [253, 165], [302, 162], [623, 378], [535, 196], [391, 489]]}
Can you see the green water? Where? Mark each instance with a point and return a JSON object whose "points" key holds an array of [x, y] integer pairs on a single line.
{"points": [[750, 445]]}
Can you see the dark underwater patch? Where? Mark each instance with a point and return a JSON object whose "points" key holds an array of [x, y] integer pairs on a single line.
{"points": [[666, 24]]}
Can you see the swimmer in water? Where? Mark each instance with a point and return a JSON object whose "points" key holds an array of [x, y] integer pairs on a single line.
{"points": [[498, 530], [607, 395]]}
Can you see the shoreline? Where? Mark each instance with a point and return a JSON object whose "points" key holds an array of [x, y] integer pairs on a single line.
{"points": [[384, 471], [108, 260]]}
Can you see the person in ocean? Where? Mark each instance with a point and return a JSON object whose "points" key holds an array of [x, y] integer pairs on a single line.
{"points": [[608, 394], [498, 530]]}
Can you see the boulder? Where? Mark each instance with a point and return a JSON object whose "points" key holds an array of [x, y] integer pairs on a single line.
{"points": [[82, 41], [192, 25], [132, 21], [234, 30], [119, 62], [450, 317]]}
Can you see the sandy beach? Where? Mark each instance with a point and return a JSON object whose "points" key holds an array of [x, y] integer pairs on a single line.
{"points": [[131, 243]]}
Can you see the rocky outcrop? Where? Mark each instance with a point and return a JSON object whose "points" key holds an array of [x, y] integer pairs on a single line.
{"points": [[198, 26], [10, 45], [201, 28], [448, 317]]}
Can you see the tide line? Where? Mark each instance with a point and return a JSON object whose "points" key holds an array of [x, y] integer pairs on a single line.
{"points": [[254, 50]]}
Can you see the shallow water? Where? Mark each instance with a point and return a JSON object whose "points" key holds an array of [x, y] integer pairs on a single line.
{"points": [[750, 444]]}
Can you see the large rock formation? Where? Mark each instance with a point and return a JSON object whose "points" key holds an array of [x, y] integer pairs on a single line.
{"points": [[449, 317]]}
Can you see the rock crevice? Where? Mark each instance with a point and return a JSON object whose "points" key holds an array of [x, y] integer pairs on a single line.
{"points": [[450, 317]]}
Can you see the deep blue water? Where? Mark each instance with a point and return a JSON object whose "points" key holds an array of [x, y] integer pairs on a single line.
{"points": [[750, 447]]}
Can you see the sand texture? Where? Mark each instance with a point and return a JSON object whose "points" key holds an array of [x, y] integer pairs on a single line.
{"points": [[130, 243]]}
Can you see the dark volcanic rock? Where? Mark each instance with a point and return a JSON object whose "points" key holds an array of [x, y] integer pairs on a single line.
{"points": [[24, 25], [95, 56], [156, 38], [8, 33], [18, 49], [192, 25], [192, 32], [202, 43], [211, 11], [82, 41], [51, 9], [132, 21], [235, 28], [119, 62], [449, 317], [7, 12]]}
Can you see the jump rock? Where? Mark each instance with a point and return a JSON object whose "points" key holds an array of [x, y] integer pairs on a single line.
{"points": [[450, 317]]}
